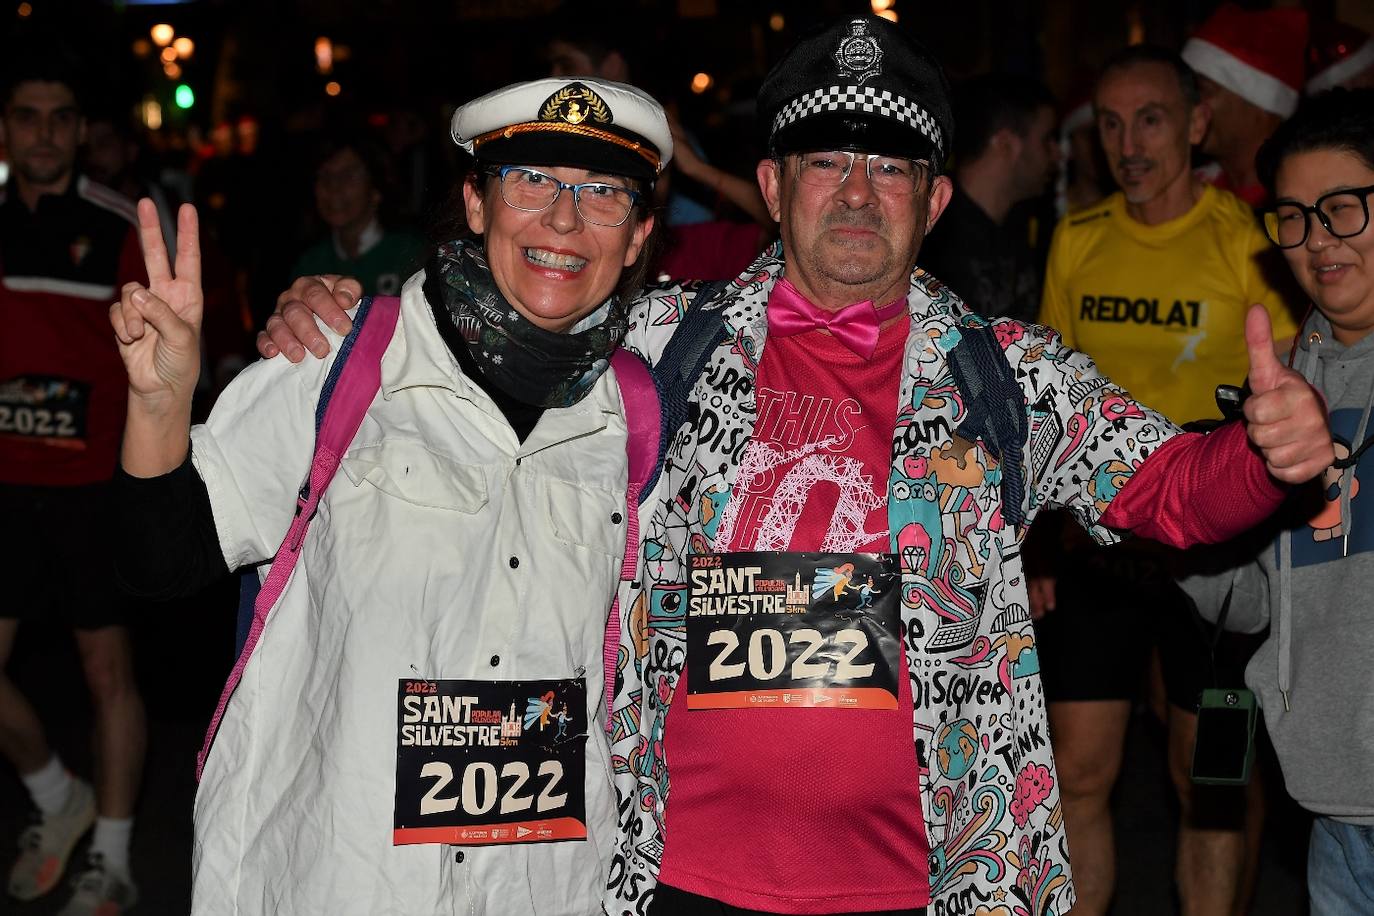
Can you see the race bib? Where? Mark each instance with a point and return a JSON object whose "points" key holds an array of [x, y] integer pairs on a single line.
{"points": [[486, 763], [45, 408], [793, 630]]}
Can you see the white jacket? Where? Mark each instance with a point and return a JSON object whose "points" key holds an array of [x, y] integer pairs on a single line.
{"points": [[444, 548]]}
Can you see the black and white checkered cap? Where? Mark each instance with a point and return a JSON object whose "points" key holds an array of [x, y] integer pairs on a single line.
{"points": [[860, 83], [883, 103]]}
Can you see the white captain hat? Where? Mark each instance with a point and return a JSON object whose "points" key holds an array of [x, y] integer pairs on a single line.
{"points": [[585, 123]]}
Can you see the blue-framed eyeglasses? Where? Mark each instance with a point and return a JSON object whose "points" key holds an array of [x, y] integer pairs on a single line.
{"points": [[598, 203]]}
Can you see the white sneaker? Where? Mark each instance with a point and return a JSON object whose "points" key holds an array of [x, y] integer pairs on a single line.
{"points": [[100, 892], [45, 846]]}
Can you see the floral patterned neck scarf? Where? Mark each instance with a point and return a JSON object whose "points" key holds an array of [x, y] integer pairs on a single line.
{"points": [[533, 365]]}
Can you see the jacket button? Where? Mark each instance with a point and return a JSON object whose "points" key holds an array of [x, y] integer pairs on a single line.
{"points": [[514, 562], [495, 660], [459, 856], [616, 518]]}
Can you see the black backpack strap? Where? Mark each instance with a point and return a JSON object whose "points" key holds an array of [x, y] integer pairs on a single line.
{"points": [[702, 329], [995, 409]]}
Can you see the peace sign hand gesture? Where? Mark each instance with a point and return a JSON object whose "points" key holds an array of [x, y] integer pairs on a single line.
{"points": [[158, 326]]}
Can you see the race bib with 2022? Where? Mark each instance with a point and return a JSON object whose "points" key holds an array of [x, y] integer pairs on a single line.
{"points": [[483, 763], [793, 630], [46, 409]]}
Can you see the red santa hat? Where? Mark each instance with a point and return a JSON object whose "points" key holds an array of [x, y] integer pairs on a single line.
{"points": [[1080, 115], [1078, 110], [1338, 52], [1258, 55]]}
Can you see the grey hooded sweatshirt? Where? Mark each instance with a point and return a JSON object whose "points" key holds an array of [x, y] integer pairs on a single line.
{"points": [[1312, 586]]}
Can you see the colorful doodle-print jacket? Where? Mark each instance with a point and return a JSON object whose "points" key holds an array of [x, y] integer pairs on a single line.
{"points": [[990, 794]]}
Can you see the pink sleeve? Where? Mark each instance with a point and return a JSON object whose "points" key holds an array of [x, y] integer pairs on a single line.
{"points": [[1197, 489]]}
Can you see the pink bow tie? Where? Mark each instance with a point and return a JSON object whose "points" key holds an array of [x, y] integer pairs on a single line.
{"points": [[855, 326]]}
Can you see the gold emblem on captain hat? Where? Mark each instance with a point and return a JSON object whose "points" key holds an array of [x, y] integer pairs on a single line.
{"points": [[573, 104]]}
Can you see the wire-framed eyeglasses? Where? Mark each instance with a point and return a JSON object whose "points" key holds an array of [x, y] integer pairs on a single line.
{"points": [[598, 203], [888, 174], [1342, 213]]}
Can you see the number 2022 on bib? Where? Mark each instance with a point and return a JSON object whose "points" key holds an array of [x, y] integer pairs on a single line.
{"points": [[45, 408], [485, 763], [793, 630]]}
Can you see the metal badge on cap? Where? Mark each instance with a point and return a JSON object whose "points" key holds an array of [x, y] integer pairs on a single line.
{"points": [[859, 56], [861, 83]]}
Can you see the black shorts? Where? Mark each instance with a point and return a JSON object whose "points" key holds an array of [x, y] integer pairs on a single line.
{"points": [[56, 542], [1113, 606]]}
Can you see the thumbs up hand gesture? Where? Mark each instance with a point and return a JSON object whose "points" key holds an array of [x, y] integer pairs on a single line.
{"points": [[1285, 417]]}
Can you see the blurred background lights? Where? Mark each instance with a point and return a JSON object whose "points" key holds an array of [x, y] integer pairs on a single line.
{"points": [[184, 47], [324, 54], [701, 82], [776, 22], [162, 34], [152, 113], [184, 97], [1135, 27], [169, 55], [332, 88], [25, 10]]}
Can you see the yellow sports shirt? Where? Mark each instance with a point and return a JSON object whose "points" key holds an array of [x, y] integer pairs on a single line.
{"points": [[1162, 308]]}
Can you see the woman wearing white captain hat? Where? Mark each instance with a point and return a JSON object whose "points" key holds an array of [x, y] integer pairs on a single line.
{"points": [[389, 748]]}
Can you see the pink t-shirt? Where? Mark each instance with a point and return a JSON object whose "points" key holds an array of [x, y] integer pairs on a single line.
{"points": [[802, 810]]}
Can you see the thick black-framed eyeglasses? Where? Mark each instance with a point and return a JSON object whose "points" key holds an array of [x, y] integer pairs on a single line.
{"points": [[531, 190], [1342, 213]]}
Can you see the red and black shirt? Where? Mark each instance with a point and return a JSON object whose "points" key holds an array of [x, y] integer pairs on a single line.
{"points": [[63, 389]]}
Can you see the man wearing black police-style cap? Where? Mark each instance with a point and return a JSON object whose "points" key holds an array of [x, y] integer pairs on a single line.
{"points": [[827, 638], [874, 740]]}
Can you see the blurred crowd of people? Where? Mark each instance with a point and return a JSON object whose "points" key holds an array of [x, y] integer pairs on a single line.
{"points": [[1140, 219]]}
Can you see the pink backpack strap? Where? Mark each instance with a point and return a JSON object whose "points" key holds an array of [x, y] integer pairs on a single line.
{"points": [[348, 392], [643, 422]]}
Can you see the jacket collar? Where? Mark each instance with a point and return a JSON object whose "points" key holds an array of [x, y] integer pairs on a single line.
{"points": [[417, 357]]}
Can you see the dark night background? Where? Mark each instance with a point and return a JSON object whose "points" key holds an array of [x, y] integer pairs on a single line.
{"points": [[260, 99]]}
